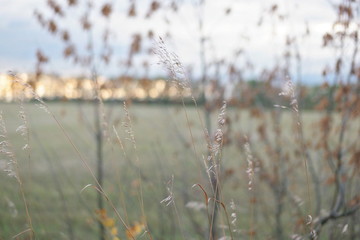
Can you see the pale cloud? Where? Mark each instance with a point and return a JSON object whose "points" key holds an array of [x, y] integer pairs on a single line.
{"points": [[227, 33]]}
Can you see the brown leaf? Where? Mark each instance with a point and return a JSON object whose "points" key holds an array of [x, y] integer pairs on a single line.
{"points": [[55, 7], [106, 10], [273, 8], [68, 51], [41, 58], [132, 10], [323, 104], [256, 112], [355, 160], [40, 18], [330, 180], [325, 123], [354, 201], [150, 34], [65, 36], [136, 44], [327, 38], [338, 65], [72, 2], [155, 5], [85, 22], [52, 26]]}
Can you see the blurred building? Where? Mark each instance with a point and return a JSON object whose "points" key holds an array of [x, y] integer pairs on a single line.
{"points": [[53, 87]]}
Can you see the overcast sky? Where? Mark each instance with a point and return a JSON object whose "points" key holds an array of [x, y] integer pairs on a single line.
{"points": [[21, 35]]}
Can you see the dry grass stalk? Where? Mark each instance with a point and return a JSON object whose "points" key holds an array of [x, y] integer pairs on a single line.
{"points": [[289, 91], [170, 199], [45, 107], [13, 170], [131, 137]]}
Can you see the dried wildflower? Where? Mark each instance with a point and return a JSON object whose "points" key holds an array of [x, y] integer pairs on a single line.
{"points": [[222, 115], [135, 230], [298, 201], [114, 231], [296, 237], [313, 235], [233, 218], [108, 222], [218, 138], [172, 64], [211, 167], [41, 104], [22, 130], [225, 237], [250, 169], [309, 219], [12, 208], [128, 126], [6, 151], [289, 91], [170, 198], [232, 205]]}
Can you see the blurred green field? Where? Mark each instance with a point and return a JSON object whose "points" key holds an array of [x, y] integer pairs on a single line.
{"points": [[53, 175]]}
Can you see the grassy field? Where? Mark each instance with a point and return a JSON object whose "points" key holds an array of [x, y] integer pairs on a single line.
{"points": [[53, 176]]}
